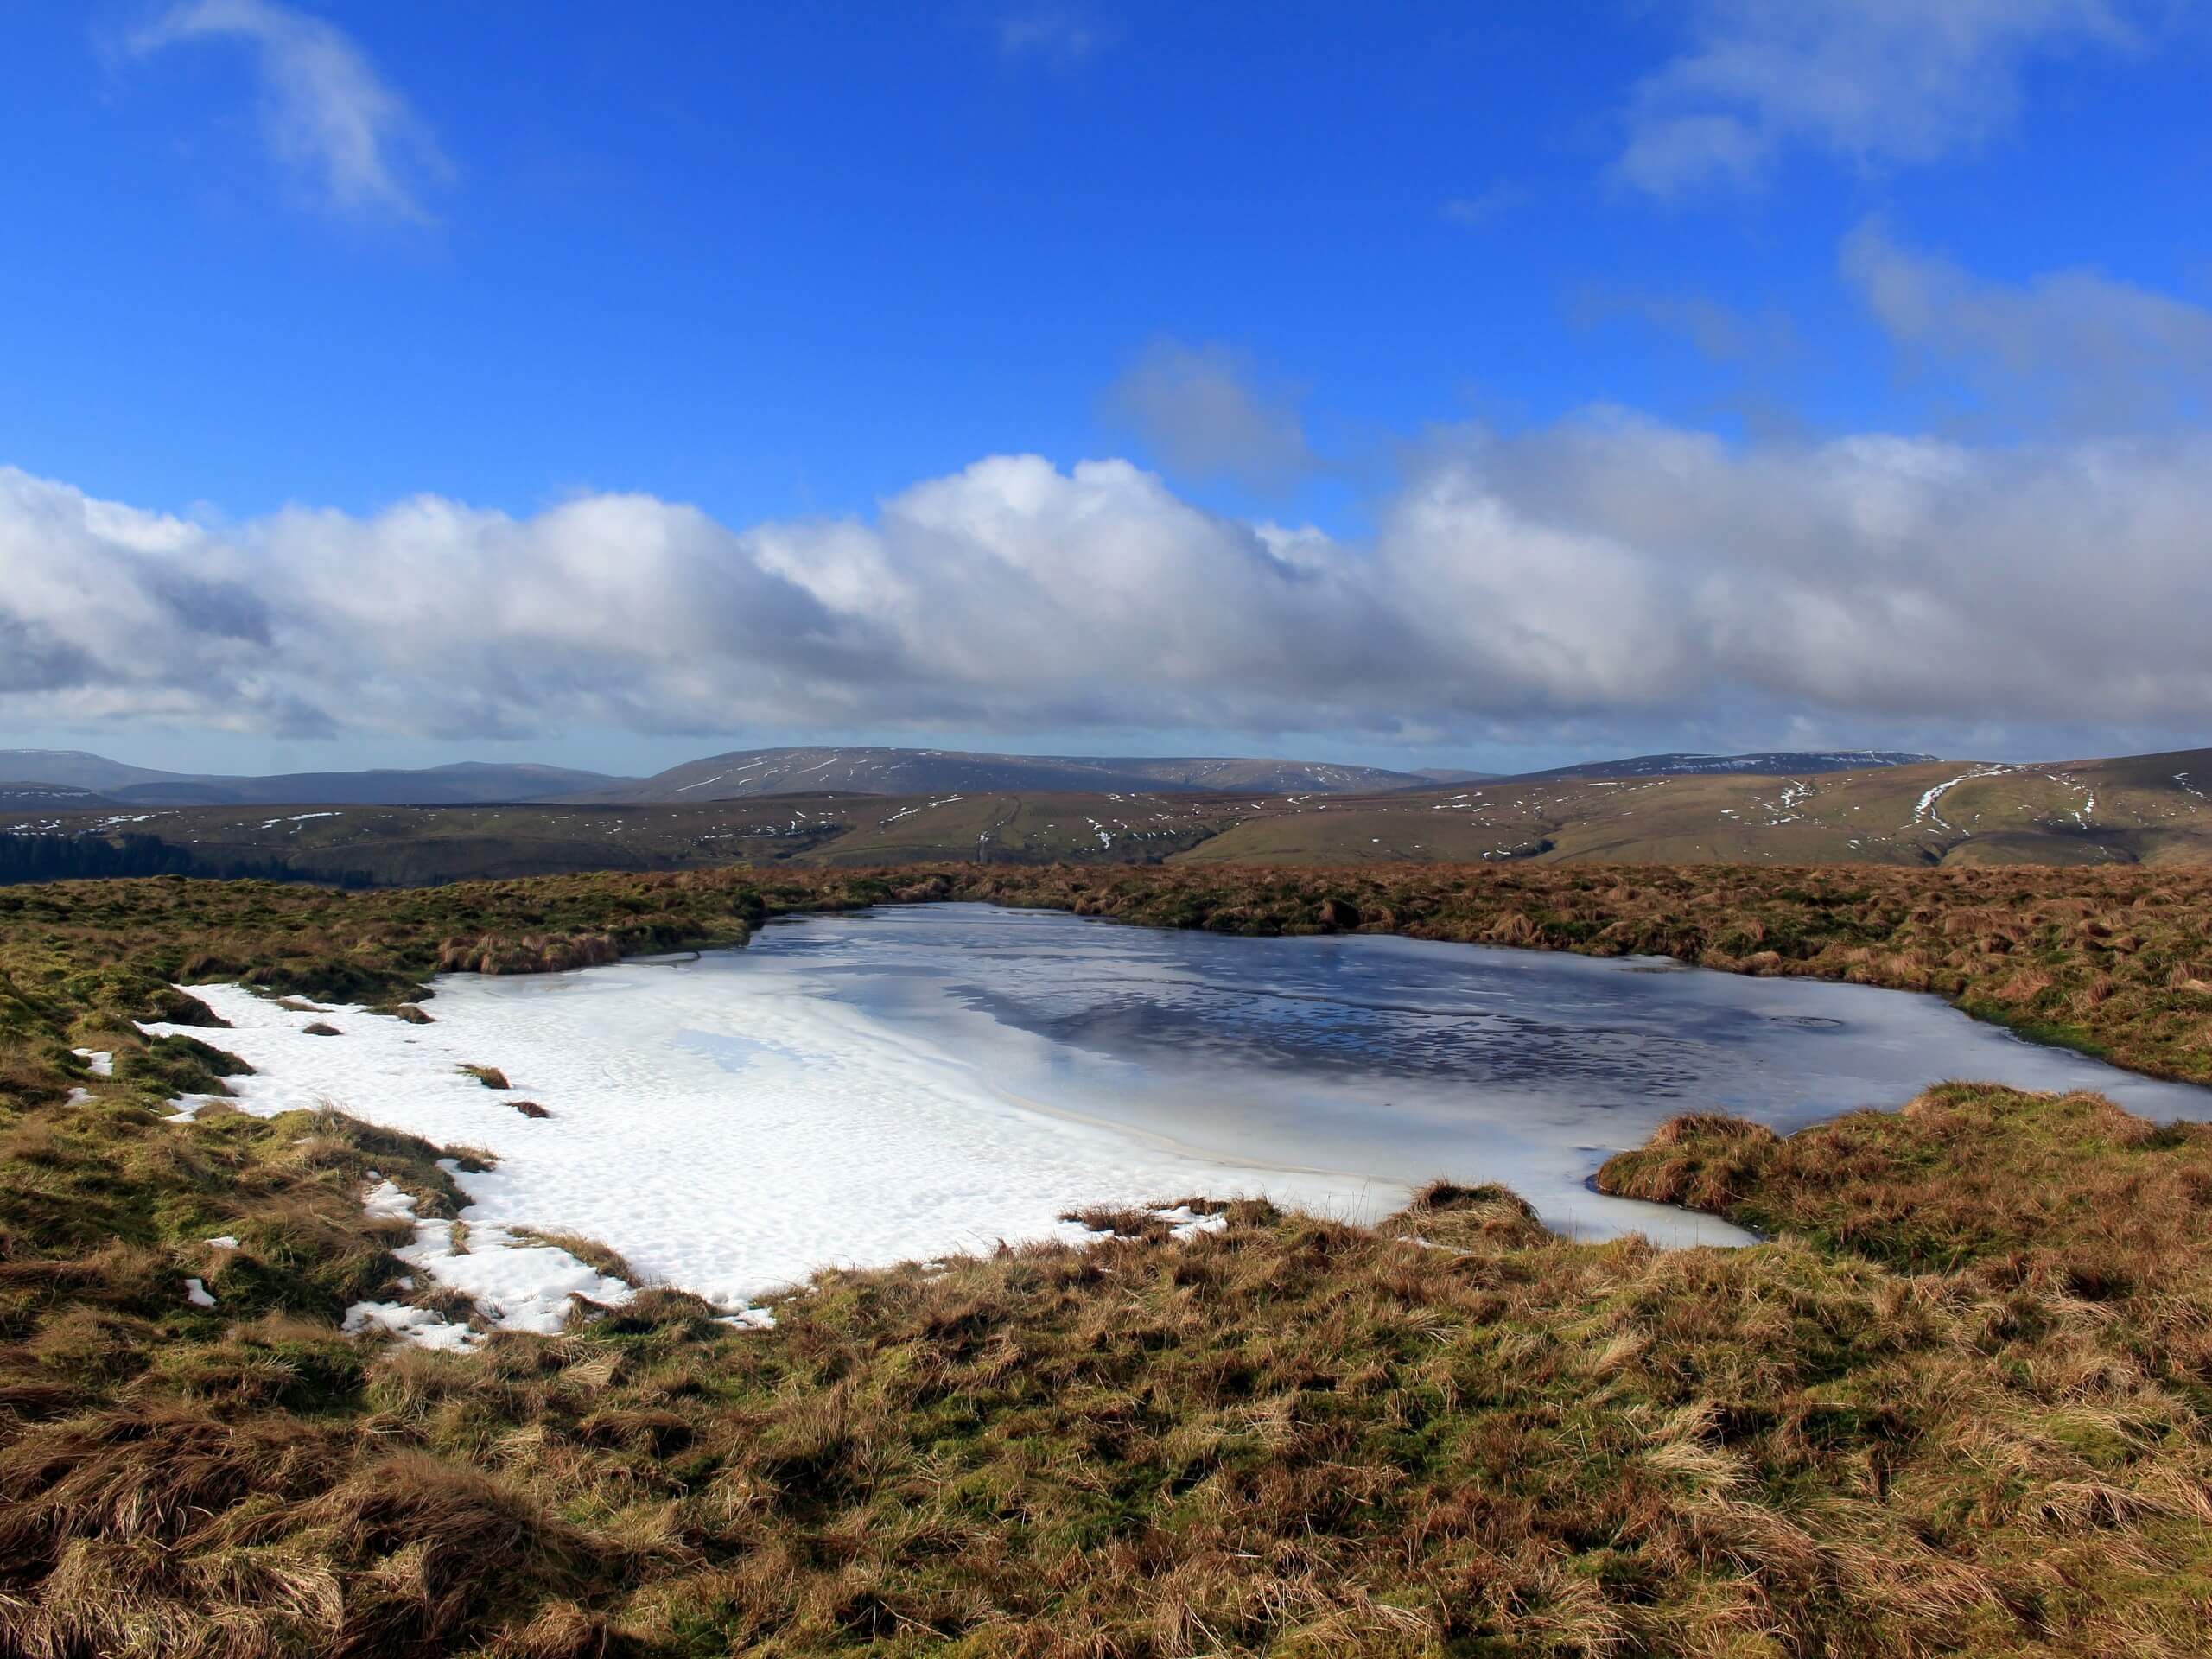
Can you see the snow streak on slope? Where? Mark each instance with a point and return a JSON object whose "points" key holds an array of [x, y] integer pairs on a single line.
{"points": [[1924, 810]]}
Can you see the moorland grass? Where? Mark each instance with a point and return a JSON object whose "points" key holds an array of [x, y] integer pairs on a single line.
{"points": [[1451, 1434], [1961, 1404]]}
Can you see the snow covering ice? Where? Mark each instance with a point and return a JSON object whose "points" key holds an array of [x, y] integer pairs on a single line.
{"points": [[776, 1134]]}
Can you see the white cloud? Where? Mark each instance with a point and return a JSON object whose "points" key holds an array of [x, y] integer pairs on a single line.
{"points": [[1607, 571], [329, 114], [1878, 83], [1202, 410], [1057, 34], [2072, 348]]}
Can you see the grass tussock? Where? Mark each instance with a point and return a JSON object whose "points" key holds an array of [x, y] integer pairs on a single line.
{"points": [[602, 1259], [490, 1076]]}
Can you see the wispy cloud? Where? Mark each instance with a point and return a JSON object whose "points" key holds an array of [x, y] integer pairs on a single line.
{"points": [[1482, 207], [1205, 413], [1878, 83], [2071, 350], [1054, 33], [1721, 333], [328, 114]]}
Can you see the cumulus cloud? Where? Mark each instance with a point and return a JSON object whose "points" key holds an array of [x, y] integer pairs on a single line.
{"points": [[1878, 83], [1205, 414], [327, 114], [1608, 571], [2072, 349]]}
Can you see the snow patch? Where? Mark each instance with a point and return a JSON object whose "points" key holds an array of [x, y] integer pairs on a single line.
{"points": [[1188, 1223], [517, 1285], [727, 1136], [417, 1325]]}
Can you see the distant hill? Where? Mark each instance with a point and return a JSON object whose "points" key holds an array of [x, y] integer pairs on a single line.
{"points": [[749, 773], [62, 797], [74, 769], [1776, 763], [2131, 810], [464, 783]]}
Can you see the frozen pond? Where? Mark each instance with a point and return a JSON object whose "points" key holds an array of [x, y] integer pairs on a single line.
{"points": [[1400, 1059], [914, 1081]]}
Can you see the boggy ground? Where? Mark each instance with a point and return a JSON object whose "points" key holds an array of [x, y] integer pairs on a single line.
{"points": [[1959, 1404]]}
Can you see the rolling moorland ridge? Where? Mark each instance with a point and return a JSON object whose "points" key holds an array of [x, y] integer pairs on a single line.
{"points": [[2134, 810], [812, 771], [113, 781]]}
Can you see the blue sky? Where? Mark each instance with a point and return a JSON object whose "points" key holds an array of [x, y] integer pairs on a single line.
{"points": [[279, 270]]}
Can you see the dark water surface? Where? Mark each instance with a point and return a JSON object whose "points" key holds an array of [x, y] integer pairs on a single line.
{"points": [[1396, 1059]]}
